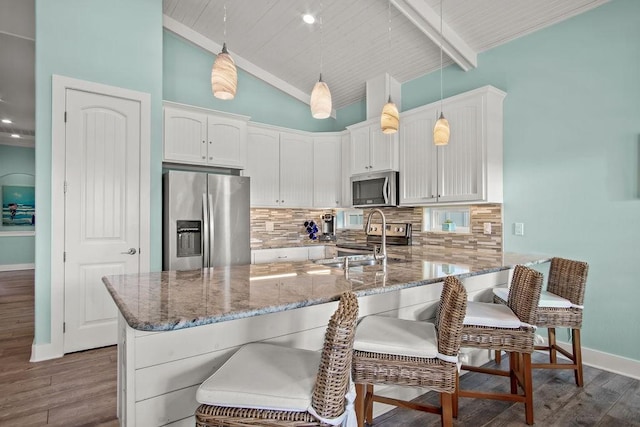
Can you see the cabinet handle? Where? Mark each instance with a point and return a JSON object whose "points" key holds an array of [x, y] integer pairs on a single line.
{"points": [[210, 158], [204, 157], [204, 142], [370, 167], [282, 257], [210, 142]]}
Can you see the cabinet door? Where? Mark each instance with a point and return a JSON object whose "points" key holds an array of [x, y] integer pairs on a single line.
{"points": [[461, 162], [418, 159], [263, 166], [296, 170], [227, 145], [327, 182], [359, 150], [185, 134], [382, 150]]}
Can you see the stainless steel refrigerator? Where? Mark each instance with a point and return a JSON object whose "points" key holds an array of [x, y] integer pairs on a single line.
{"points": [[205, 220]]}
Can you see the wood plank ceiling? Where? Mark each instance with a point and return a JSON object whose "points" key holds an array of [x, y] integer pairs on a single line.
{"points": [[271, 35]]}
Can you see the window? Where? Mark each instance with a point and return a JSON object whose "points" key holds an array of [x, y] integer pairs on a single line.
{"points": [[350, 219], [436, 219]]}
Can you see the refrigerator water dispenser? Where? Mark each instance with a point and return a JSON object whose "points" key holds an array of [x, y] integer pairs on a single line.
{"points": [[189, 238]]}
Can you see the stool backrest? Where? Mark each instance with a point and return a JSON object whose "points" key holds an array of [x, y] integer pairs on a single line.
{"points": [[449, 317], [524, 293], [568, 279], [334, 372]]}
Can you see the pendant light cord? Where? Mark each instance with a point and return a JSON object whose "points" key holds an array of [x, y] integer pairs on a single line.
{"points": [[224, 20], [441, 92], [321, 41], [389, 19]]}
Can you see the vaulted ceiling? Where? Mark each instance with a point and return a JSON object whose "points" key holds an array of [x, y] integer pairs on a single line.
{"points": [[268, 38]]}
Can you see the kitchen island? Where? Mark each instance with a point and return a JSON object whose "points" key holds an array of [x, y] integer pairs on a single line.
{"points": [[176, 328]]}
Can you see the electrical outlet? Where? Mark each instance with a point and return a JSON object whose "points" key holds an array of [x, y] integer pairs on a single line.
{"points": [[518, 229], [487, 228], [268, 225]]}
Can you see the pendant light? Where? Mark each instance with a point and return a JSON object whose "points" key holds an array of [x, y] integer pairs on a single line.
{"points": [[441, 129], [320, 95], [389, 119], [224, 76]]}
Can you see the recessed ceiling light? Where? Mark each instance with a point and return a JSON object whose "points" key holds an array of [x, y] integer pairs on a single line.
{"points": [[309, 19], [7, 121], [15, 135]]}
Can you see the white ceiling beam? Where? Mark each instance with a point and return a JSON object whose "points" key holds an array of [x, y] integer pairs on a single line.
{"points": [[427, 20], [209, 45]]}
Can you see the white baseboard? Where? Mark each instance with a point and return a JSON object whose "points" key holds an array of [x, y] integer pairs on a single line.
{"points": [[13, 267], [40, 352], [606, 361]]}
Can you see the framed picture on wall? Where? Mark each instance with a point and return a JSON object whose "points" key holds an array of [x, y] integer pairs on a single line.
{"points": [[18, 205]]}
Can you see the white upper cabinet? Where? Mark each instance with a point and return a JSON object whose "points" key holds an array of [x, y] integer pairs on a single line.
{"points": [[263, 166], [327, 170], [280, 165], [469, 168], [296, 170], [371, 150], [203, 137]]}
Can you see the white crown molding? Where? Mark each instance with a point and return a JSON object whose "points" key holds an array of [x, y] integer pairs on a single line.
{"points": [[427, 20], [209, 45]]}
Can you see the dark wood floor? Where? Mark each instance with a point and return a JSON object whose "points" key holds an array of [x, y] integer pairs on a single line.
{"points": [[80, 388]]}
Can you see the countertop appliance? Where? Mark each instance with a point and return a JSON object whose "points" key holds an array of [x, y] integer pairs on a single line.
{"points": [[328, 228], [205, 220], [375, 189], [398, 234]]}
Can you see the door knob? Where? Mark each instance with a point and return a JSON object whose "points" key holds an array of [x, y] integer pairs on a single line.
{"points": [[131, 251]]}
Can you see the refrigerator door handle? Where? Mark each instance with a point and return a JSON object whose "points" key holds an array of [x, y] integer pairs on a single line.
{"points": [[205, 234], [211, 232]]}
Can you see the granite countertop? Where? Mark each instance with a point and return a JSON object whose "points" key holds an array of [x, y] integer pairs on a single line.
{"points": [[181, 299]]}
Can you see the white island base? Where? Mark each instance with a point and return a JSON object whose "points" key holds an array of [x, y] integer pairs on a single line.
{"points": [[159, 372]]}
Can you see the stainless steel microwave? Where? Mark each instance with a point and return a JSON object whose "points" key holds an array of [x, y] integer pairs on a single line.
{"points": [[375, 189]]}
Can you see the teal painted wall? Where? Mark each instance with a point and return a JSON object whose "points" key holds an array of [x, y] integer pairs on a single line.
{"points": [[16, 250], [571, 154], [187, 79], [118, 43]]}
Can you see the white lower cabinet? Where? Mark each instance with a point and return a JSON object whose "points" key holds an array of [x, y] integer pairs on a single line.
{"points": [[280, 165], [469, 168], [160, 372], [291, 254]]}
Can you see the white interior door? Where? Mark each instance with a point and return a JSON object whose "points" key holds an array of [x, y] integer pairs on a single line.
{"points": [[102, 212]]}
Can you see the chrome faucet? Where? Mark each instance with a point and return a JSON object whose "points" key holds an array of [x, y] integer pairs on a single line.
{"points": [[380, 254]]}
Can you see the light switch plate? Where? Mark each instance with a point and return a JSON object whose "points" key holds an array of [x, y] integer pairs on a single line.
{"points": [[487, 228], [518, 229]]}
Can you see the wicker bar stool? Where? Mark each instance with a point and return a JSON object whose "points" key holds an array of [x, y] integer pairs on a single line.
{"points": [[509, 328], [560, 306], [270, 385], [410, 353]]}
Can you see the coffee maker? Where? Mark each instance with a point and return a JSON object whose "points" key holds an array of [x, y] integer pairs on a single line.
{"points": [[328, 228]]}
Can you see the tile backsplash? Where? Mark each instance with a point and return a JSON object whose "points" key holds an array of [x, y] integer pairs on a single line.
{"points": [[288, 228]]}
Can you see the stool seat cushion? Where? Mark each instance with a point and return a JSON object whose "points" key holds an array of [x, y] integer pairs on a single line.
{"points": [[263, 376], [389, 335], [490, 315], [547, 299]]}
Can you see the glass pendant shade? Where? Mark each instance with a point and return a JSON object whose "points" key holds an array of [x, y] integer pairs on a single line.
{"points": [[320, 100], [390, 119], [224, 76], [441, 131]]}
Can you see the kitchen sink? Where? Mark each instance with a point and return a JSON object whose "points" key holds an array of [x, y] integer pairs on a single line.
{"points": [[353, 260]]}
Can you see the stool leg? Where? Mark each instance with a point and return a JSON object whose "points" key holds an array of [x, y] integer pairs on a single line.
{"points": [[513, 368], [577, 356], [455, 396], [552, 345], [368, 409], [359, 404], [498, 356], [446, 402], [527, 387]]}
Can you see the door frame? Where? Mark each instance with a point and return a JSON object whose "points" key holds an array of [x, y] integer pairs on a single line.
{"points": [[60, 84]]}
